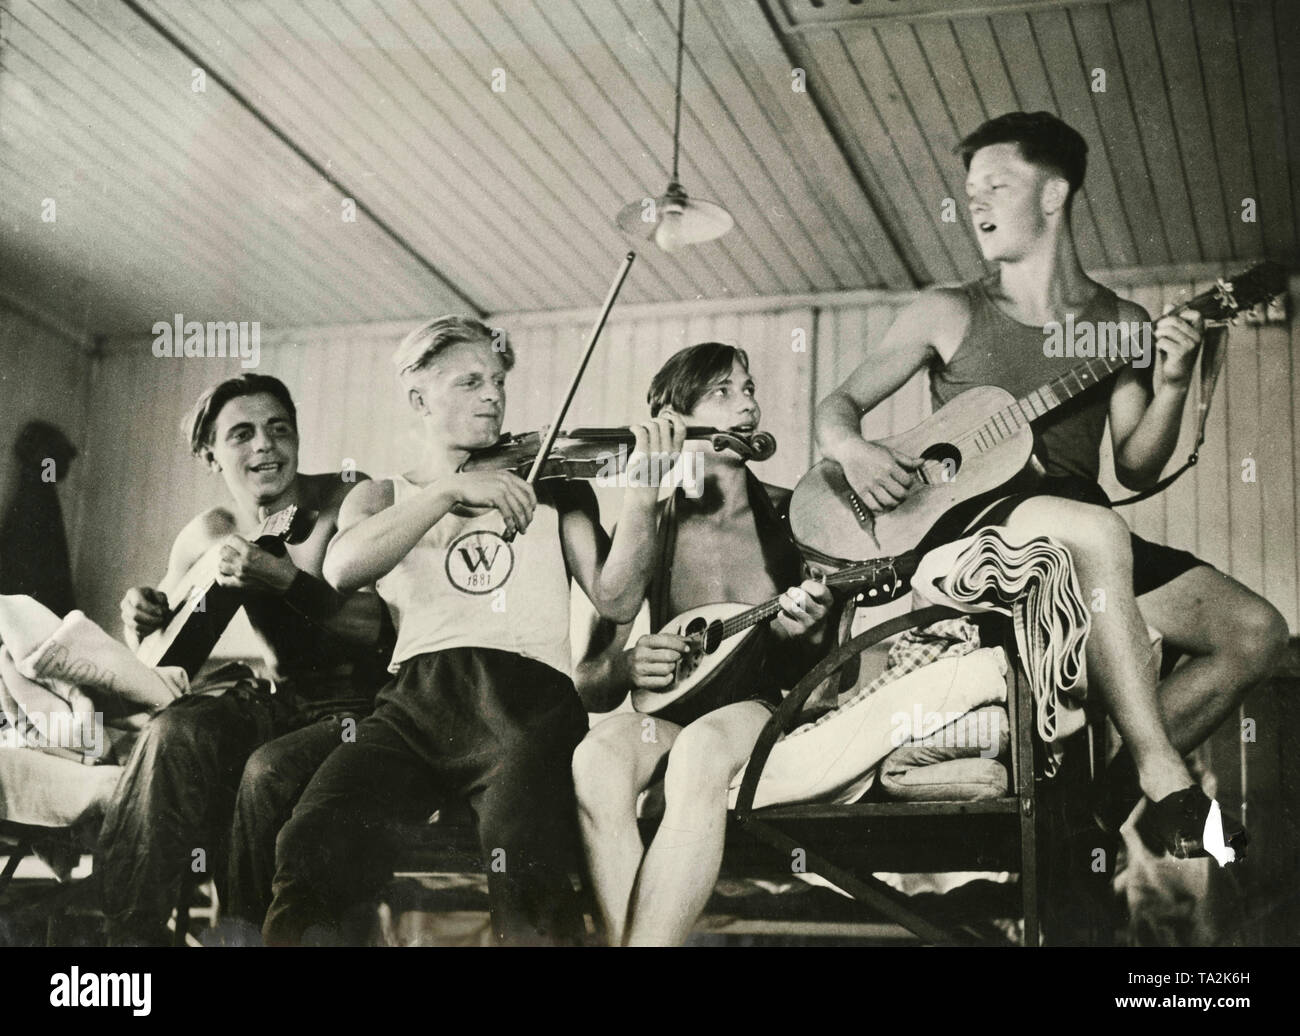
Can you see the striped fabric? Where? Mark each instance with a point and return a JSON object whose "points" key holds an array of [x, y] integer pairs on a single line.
{"points": [[1034, 582]]}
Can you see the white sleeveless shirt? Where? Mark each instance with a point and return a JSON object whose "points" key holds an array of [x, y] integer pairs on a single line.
{"points": [[463, 585]]}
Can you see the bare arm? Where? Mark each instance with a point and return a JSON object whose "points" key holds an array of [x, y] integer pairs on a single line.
{"points": [[905, 349], [930, 326], [604, 676], [1144, 422], [144, 609], [375, 534], [614, 575]]}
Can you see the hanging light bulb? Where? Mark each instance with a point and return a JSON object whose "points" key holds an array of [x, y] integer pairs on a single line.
{"points": [[670, 235], [679, 220]]}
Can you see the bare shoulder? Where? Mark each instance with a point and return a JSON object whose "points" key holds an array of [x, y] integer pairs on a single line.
{"points": [[209, 525], [367, 497], [200, 533], [945, 314]]}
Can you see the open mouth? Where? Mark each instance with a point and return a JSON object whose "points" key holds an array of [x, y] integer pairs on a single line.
{"points": [[267, 468], [747, 427]]}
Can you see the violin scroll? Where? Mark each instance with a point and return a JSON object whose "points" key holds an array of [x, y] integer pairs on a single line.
{"points": [[752, 446]]}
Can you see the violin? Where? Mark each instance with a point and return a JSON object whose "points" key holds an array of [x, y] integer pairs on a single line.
{"points": [[589, 453]]}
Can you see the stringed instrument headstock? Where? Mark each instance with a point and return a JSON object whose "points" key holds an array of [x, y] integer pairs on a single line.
{"points": [[1233, 296]]}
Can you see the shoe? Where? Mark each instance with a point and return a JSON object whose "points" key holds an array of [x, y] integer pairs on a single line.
{"points": [[1189, 825]]}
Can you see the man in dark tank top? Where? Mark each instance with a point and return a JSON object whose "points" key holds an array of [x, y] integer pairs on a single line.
{"points": [[1024, 171]]}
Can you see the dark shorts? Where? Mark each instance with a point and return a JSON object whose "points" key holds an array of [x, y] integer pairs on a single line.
{"points": [[1154, 564]]}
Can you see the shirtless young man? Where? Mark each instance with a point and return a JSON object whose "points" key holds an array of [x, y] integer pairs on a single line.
{"points": [[483, 707], [1023, 172], [731, 544], [324, 651]]}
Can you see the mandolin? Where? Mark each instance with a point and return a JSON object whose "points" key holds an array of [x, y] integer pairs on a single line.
{"points": [[720, 632], [973, 445], [195, 625]]}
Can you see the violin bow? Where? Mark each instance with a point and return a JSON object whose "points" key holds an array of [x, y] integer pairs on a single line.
{"points": [[553, 430]]}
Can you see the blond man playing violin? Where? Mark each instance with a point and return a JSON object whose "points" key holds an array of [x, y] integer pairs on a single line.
{"points": [[475, 568], [730, 543]]}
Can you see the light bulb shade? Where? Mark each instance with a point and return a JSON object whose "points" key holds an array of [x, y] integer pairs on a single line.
{"points": [[675, 221]]}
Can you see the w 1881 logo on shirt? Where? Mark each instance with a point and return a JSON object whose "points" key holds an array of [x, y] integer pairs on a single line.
{"points": [[479, 562]]}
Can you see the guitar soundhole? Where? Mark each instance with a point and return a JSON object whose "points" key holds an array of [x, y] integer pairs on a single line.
{"points": [[943, 461]]}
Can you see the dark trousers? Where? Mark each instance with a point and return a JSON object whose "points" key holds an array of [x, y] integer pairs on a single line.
{"points": [[492, 727], [201, 761], [274, 777], [169, 818]]}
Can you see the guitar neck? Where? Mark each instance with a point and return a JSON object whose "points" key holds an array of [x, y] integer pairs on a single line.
{"points": [[1043, 400], [1113, 354]]}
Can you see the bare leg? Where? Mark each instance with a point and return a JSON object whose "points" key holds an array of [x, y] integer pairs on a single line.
{"points": [[1234, 638], [681, 866], [1118, 651], [611, 767]]}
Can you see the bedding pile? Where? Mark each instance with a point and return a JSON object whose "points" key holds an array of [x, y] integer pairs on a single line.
{"points": [[1034, 582], [69, 689]]}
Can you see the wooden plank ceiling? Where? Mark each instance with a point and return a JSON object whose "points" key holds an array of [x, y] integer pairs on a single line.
{"points": [[176, 201]]}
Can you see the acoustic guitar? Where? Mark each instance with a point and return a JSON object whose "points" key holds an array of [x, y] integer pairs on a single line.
{"points": [[974, 445], [721, 632], [205, 608]]}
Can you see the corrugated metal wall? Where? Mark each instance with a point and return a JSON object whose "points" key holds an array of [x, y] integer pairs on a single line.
{"points": [[140, 486]]}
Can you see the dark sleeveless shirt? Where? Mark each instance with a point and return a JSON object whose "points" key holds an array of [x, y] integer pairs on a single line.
{"points": [[997, 350]]}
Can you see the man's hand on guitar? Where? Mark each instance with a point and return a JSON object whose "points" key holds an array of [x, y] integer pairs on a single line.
{"points": [[144, 610], [803, 609], [1178, 336], [882, 476], [653, 662], [250, 567]]}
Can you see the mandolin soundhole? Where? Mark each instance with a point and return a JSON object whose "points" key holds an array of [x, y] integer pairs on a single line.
{"points": [[694, 630]]}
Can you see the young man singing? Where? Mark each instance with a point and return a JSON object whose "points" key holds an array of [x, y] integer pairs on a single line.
{"points": [[1023, 173], [475, 569], [729, 544], [323, 650]]}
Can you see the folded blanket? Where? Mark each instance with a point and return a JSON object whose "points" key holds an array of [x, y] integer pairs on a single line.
{"points": [[1034, 582], [835, 758]]}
